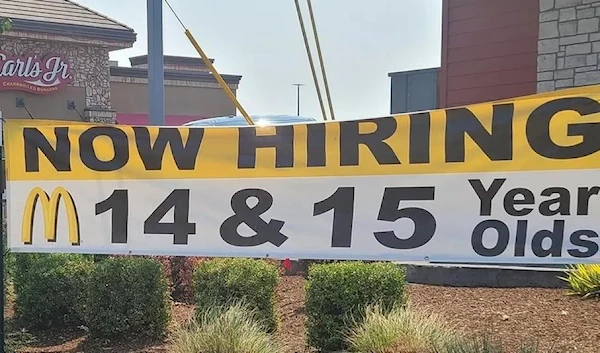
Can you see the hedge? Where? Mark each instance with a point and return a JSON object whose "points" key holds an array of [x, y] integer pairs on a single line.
{"points": [[221, 282], [9, 259], [339, 291], [50, 288], [127, 295]]}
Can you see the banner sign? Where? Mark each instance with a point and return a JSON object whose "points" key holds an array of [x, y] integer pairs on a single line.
{"points": [[513, 181], [34, 74]]}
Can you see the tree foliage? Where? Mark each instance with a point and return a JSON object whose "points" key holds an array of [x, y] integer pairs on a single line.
{"points": [[5, 24]]}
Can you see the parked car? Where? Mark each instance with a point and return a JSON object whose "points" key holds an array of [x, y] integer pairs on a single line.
{"points": [[260, 120]]}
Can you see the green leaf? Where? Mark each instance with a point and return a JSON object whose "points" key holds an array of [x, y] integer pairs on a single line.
{"points": [[5, 25], [583, 280]]}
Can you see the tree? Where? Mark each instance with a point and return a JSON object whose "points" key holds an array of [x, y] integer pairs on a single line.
{"points": [[5, 24]]}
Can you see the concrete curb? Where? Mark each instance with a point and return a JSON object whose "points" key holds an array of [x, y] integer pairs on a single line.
{"points": [[474, 275], [485, 276]]}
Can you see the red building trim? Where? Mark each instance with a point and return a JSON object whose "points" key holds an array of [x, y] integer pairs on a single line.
{"points": [[489, 50], [443, 74]]}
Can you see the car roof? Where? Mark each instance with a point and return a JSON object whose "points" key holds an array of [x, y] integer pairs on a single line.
{"points": [[258, 120]]}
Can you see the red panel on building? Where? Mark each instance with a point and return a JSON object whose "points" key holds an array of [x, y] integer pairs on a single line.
{"points": [[489, 50]]}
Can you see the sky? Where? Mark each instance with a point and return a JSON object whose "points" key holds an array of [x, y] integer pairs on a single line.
{"points": [[261, 40]]}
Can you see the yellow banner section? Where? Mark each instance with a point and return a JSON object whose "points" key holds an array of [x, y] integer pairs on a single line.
{"points": [[552, 131]]}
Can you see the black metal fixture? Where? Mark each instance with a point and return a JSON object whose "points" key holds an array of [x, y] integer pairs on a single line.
{"points": [[20, 103], [71, 106]]}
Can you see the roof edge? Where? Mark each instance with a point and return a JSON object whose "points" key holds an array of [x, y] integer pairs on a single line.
{"points": [[71, 30], [170, 59], [417, 71], [175, 75]]}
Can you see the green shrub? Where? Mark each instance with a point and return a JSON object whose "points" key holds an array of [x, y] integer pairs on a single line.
{"points": [[231, 329], [583, 280], [335, 292], [399, 330], [50, 288], [304, 265], [9, 259], [219, 282], [5, 25], [15, 341], [127, 295]]}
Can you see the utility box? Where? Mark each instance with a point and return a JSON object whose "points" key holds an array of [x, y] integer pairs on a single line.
{"points": [[413, 91]]}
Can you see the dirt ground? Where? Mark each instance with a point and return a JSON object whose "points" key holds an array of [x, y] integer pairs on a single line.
{"points": [[567, 324], [559, 323]]}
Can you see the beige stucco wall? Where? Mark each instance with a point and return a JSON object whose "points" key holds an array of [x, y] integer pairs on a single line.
{"points": [[179, 100], [50, 106]]}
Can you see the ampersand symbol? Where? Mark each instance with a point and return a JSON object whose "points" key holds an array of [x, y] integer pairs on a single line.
{"points": [[265, 232]]}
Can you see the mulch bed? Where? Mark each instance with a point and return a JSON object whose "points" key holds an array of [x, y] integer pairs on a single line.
{"points": [[560, 323], [567, 324]]}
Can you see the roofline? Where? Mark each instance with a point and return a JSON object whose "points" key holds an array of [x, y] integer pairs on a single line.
{"points": [[169, 59], [108, 34], [176, 75], [400, 73]]}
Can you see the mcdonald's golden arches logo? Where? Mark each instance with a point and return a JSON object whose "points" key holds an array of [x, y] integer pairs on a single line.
{"points": [[50, 206]]}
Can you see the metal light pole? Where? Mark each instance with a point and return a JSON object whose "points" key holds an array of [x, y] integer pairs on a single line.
{"points": [[156, 69], [298, 85]]}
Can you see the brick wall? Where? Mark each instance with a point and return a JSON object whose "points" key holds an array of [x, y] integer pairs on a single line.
{"points": [[568, 44]]}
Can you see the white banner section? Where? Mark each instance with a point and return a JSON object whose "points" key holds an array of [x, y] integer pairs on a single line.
{"points": [[509, 217]]}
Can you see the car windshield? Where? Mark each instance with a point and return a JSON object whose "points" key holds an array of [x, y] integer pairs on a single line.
{"points": [[260, 120]]}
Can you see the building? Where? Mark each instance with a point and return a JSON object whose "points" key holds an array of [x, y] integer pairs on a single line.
{"points": [[54, 64], [501, 49], [191, 92], [414, 90]]}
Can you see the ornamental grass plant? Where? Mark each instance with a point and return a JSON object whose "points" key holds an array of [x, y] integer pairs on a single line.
{"points": [[583, 280], [235, 328]]}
